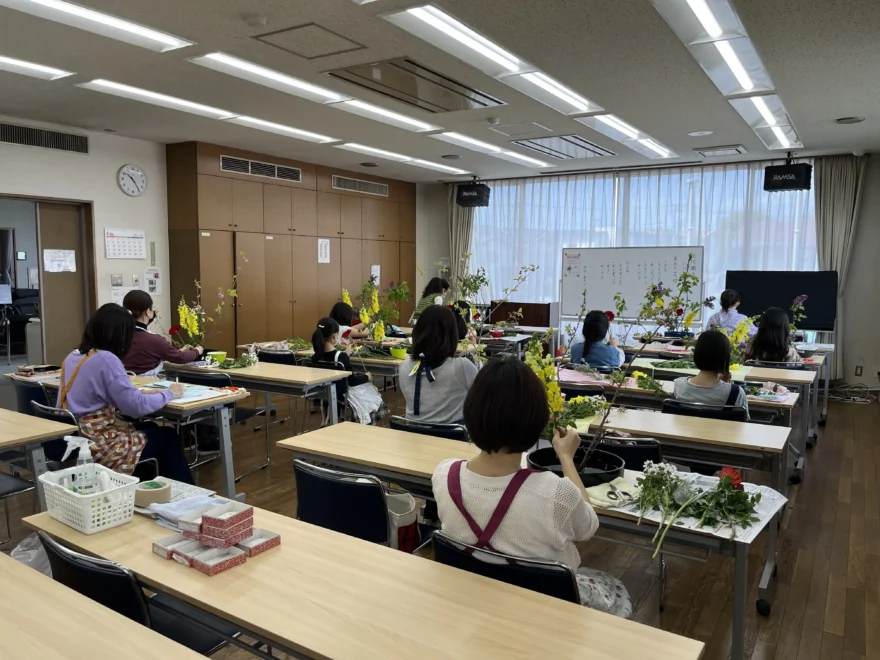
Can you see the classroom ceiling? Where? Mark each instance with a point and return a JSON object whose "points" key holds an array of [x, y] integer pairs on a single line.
{"points": [[823, 57]]}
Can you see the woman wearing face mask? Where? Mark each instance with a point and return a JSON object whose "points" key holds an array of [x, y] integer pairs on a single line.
{"points": [[149, 351]]}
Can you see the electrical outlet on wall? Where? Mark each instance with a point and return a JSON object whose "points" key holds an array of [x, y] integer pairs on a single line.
{"points": [[135, 280], [859, 370]]}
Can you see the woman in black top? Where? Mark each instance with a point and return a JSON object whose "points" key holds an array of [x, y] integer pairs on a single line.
{"points": [[324, 341]]}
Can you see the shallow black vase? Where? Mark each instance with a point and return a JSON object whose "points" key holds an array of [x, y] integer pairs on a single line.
{"points": [[602, 467]]}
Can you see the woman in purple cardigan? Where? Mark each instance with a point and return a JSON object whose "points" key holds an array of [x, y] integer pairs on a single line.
{"points": [[149, 351], [94, 386]]}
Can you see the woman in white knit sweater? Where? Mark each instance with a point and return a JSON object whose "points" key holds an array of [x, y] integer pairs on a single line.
{"points": [[541, 515]]}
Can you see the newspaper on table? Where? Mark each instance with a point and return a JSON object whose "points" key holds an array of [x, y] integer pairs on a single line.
{"points": [[771, 502]]}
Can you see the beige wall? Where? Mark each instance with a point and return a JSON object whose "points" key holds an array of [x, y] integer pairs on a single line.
{"points": [[861, 332], [432, 231]]}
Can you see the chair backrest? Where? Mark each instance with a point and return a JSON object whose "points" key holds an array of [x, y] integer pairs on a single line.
{"points": [[207, 379], [448, 431], [106, 582], [794, 366], [635, 452], [278, 357], [27, 392], [344, 502], [54, 414], [547, 577], [691, 409]]}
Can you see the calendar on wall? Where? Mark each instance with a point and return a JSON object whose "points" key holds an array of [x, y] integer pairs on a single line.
{"points": [[125, 244]]}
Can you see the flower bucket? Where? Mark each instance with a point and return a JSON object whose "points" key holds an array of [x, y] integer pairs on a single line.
{"points": [[602, 468]]}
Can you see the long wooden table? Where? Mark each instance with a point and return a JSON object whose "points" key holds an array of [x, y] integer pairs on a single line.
{"points": [[41, 618], [325, 595], [409, 460]]}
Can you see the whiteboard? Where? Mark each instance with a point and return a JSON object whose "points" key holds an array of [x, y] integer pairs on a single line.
{"points": [[627, 270]]}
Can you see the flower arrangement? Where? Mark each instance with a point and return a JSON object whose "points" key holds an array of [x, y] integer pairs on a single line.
{"points": [[647, 383], [378, 309], [797, 312], [676, 314], [194, 317], [298, 344], [738, 341]]}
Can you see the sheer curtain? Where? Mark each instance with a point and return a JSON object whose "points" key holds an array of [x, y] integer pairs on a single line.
{"points": [[721, 207]]}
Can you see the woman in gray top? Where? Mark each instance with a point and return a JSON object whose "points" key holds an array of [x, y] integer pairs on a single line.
{"points": [[712, 385], [434, 382]]}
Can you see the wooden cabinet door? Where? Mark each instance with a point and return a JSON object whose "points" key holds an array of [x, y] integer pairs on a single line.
{"points": [[407, 230], [276, 209], [390, 266], [250, 306], [371, 219], [215, 202], [279, 287], [306, 311], [351, 268], [350, 220], [247, 206], [408, 275], [329, 210], [304, 211], [329, 280], [371, 255], [390, 214], [216, 267]]}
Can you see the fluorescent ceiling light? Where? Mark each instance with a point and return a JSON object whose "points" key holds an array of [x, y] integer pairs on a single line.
{"points": [[267, 77], [99, 23], [372, 151], [31, 69], [281, 129], [386, 116], [548, 91], [781, 136], [467, 142], [761, 105], [706, 17], [435, 166], [663, 152], [508, 155], [137, 94], [619, 125], [736, 67], [442, 21]]}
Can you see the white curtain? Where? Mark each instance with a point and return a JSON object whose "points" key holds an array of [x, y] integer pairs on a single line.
{"points": [[721, 207], [839, 184], [461, 231]]}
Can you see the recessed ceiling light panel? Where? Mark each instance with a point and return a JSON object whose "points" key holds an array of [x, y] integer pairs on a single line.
{"points": [[385, 116], [629, 136], [467, 142], [519, 159], [281, 129], [154, 98], [372, 151], [758, 111], [700, 21], [31, 69], [733, 65], [548, 91], [98, 23], [720, 152]]}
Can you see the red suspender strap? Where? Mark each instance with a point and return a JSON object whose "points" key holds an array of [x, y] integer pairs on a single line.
{"points": [[484, 536]]}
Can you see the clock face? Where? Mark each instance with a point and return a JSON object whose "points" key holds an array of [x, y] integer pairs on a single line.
{"points": [[132, 180]]}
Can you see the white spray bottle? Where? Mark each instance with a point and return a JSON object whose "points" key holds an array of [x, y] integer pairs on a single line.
{"points": [[84, 479]]}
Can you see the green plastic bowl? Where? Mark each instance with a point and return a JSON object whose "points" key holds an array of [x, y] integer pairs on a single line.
{"points": [[218, 356], [398, 353]]}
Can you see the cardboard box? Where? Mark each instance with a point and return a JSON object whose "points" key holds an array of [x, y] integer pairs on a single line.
{"points": [[165, 546], [228, 515], [260, 541], [218, 560], [228, 541], [227, 532], [185, 552], [192, 522]]}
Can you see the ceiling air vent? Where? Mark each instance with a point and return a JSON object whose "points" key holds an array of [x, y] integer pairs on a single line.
{"points": [[259, 168], [357, 185], [565, 147], [40, 137], [720, 152]]}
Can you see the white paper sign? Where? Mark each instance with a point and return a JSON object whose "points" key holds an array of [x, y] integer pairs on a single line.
{"points": [[323, 250], [153, 281], [59, 261], [125, 244], [375, 272], [5, 294], [117, 293]]}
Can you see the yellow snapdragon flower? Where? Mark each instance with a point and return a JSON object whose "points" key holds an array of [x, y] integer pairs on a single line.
{"points": [[659, 302], [639, 374], [689, 319], [346, 298], [364, 316], [379, 331], [374, 301]]}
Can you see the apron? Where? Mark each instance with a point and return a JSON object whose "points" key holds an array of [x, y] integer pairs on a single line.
{"points": [[115, 443], [422, 368]]}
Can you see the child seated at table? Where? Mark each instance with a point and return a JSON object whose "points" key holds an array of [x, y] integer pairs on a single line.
{"points": [[772, 341], [712, 385], [343, 314], [591, 348], [538, 514], [728, 318]]}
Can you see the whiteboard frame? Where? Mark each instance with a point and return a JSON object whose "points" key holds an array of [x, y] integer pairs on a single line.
{"points": [[698, 319]]}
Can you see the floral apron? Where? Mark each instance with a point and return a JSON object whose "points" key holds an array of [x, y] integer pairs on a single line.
{"points": [[115, 443]]}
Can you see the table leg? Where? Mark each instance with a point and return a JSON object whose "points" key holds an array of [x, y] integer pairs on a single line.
{"points": [[814, 412], [827, 370], [37, 459], [223, 421], [331, 401], [740, 593]]}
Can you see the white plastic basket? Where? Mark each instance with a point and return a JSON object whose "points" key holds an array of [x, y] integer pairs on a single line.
{"points": [[90, 513]]}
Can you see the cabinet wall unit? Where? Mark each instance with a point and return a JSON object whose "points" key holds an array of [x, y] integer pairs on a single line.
{"points": [[224, 221]]}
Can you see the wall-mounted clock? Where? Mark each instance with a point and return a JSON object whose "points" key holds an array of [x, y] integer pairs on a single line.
{"points": [[132, 180]]}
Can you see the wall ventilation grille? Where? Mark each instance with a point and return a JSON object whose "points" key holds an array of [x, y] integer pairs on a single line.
{"points": [[357, 185], [259, 168], [40, 137]]}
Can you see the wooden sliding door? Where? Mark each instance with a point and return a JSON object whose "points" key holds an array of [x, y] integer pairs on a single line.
{"points": [[250, 306], [279, 288]]}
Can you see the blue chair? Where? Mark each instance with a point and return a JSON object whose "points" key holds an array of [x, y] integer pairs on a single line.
{"points": [[448, 431], [550, 578]]}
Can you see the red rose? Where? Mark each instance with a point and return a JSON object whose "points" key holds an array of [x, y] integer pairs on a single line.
{"points": [[476, 315], [560, 351], [679, 311], [173, 330], [732, 476], [610, 315]]}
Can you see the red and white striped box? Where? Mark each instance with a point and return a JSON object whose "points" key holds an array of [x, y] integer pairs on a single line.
{"points": [[185, 552], [218, 560], [259, 542], [165, 546], [228, 541], [227, 532], [228, 515], [192, 522]]}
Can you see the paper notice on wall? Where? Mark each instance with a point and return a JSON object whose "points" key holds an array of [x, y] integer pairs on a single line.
{"points": [[375, 273], [5, 294], [153, 281], [125, 244], [59, 261], [117, 293], [323, 250]]}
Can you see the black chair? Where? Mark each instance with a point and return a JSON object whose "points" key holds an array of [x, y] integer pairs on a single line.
{"points": [[550, 578], [278, 357], [669, 355], [25, 392], [343, 408], [11, 485], [448, 431], [352, 504], [634, 452], [117, 588], [727, 413], [792, 366]]}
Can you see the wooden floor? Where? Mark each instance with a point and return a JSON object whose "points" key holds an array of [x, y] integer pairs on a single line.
{"points": [[826, 599]]}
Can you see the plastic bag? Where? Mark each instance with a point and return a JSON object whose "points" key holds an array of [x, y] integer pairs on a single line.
{"points": [[32, 553]]}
